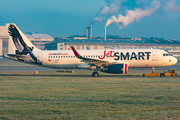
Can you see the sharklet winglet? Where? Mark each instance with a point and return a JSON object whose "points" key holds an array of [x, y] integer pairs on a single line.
{"points": [[75, 52]]}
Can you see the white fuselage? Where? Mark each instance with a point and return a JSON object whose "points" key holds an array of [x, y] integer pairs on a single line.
{"points": [[111, 61], [135, 58]]}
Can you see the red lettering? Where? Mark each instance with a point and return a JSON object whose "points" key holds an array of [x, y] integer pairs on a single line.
{"points": [[108, 54], [103, 56]]}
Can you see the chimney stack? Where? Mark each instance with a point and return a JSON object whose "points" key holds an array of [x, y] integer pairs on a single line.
{"points": [[105, 33], [89, 32]]}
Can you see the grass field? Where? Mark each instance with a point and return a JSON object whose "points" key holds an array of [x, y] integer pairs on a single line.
{"points": [[51, 95]]}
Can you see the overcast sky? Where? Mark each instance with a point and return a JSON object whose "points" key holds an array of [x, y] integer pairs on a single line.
{"points": [[62, 18]]}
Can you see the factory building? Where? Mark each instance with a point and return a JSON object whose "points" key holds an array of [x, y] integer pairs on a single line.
{"points": [[88, 32], [39, 39], [6, 44], [103, 43], [124, 43]]}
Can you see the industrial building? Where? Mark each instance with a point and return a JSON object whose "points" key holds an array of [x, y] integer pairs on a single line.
{"points": [[126, 43], [173, 46], [5, 43], [39, 39]]}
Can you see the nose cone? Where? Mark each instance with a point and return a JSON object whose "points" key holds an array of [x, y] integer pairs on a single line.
{"points": [[174, 61]]}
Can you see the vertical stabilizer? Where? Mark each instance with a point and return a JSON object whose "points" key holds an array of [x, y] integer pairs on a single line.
{"points": [[21, 42], [23, 45]]}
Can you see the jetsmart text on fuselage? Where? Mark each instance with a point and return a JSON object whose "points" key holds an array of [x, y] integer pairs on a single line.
{"points": [[126, 56]]}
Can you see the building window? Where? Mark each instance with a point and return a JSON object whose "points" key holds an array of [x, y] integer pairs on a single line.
{"points": [[5, 46], [95, 47], [78, 47]]}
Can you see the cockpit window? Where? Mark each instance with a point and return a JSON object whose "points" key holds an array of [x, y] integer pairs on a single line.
{"points": [[166, 54]]}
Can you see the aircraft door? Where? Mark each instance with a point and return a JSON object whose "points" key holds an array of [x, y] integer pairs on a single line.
{"points": [[40, 57], [154, 55]]}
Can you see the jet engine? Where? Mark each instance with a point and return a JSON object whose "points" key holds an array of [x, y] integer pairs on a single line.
{"points": [[115, 68]]}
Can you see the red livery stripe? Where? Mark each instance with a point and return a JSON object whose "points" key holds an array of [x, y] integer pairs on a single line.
{"points": [[75, 52]]}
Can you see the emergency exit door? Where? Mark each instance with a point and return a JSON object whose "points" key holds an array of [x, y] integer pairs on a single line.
{"points": [[154, 56]]}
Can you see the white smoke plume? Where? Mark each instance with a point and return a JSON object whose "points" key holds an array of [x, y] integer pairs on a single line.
{"points": [[172, 6], [133, 15], [112, 8], [133, 10]]}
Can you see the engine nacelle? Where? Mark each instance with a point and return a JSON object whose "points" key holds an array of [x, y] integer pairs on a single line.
{"points": [[115, 69]]}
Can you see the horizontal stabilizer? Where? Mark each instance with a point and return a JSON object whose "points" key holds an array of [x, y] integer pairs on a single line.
{"points": [[17, 57]]}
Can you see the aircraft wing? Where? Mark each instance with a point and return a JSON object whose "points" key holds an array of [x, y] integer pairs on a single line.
{"points": [[92, 61]]}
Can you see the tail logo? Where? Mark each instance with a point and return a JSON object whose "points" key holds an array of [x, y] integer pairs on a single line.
{"points": [[22, 48]]}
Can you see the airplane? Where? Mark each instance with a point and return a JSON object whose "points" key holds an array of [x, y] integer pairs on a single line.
{"points": [[115, 61]]}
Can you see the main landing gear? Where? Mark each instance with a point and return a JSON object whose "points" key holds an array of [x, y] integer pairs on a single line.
{"points": [[95, 74]]}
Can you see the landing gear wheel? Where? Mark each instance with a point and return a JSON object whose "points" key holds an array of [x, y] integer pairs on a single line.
{"points": [[95, 74]]}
